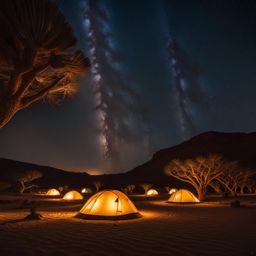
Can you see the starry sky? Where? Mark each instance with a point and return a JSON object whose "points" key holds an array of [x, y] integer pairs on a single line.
{"points": [[219, 36]]}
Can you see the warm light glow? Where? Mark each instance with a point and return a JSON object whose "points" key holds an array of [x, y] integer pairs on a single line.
{"points": [[86, 191], [53, 192], [152, 192], [172, 190], [183, 196], [94, 171], [109, 203], [73, 195], [69, 196]]}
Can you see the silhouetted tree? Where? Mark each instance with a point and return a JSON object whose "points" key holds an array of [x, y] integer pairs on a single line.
{"points": [[60, 189], [27, 177], [98, 185], [216, 187], [251, 185], [167, 188], [198, 172], [130, 188], [37, 60], [65, 188], [234, 179], [146, 187]]}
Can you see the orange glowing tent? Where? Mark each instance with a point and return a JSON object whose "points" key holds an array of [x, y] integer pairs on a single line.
{"points": [[109, 204], [53, 192], [73, 195], [152, 192], [183, 196]]}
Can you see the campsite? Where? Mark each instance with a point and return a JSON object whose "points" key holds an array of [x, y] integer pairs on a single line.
{"points": [[163, 229], [127, 127]]}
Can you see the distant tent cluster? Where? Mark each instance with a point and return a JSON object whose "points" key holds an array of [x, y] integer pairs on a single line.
{"points": [[115, 205]]}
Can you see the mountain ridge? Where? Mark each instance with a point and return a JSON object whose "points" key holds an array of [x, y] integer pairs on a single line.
{"points": [[231, 146]]}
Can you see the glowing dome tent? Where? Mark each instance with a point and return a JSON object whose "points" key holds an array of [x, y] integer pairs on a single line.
{"points": [[172, 190], [53, 192], [183, 196], [73, 195], [86, 191], [152, 192], [109, 204]]}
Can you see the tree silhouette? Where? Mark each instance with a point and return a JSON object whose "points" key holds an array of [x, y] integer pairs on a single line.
{"points": [[27, 177], [251, 185], [234, 179], [146, 187], [98, 185], [130, 188], [216, 186], [198, 172], [37, 59]]}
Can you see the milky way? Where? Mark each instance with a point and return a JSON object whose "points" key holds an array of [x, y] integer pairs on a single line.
{"points": [[120, 116], [189, 97]]}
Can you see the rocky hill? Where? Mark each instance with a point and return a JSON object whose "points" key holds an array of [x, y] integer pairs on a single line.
{"points": [[231, 146]]}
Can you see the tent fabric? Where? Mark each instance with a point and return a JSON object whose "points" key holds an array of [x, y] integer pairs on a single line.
{"points": [[53, 192], [152, 192], [73, 195], [183, 196], [109, 204]]}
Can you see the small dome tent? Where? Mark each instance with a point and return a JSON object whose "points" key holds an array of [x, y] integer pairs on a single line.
{"points": [[53, 192], [183, 196], [86, 191], [73, 195], [172, 190], [152, 192], [109, 204]]}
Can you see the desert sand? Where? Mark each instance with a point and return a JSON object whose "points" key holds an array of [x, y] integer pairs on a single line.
{"points": [[212, 228]]}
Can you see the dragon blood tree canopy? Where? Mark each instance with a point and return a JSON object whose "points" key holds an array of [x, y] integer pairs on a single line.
{"points": [[183, 196], [109, 204]]}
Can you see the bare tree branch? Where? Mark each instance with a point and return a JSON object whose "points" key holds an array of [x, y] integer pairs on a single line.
{"points": [[198, 172], [36, 49]]}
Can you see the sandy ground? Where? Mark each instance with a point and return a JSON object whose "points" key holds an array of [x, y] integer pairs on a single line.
{"points": [[165, 229]]}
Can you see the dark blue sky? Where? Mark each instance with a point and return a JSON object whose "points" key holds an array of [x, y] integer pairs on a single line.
{"points": [[218, 35]]}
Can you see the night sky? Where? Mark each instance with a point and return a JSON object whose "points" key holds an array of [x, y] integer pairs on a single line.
{"points": [[218, 36]]}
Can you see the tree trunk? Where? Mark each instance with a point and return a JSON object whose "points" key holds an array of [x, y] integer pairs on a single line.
{"points": [[233, 193], [242, 188], [201, 194], [22, 187]]}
